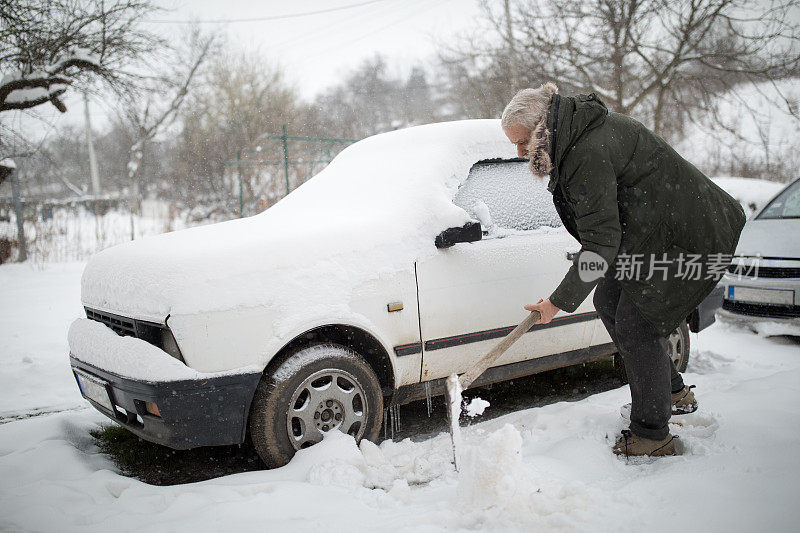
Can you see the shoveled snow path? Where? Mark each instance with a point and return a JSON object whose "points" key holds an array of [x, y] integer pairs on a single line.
{"points": [[545, 469]]}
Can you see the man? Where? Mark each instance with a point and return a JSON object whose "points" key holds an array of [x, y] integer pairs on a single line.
{"points": [[647, 214]]}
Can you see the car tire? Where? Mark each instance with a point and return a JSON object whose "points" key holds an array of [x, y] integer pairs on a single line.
{"points": [[318, 388], [677, 345]]}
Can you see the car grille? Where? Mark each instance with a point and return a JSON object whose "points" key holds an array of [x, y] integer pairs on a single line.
{"points": [[765, 272], [158, 335], [121, 325], [762, 310]]}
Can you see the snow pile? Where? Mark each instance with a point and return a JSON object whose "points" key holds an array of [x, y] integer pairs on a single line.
{"points": [[374, 210], [338, 461], [492, 474], [476, 407], [752, 193], [415, 463], [334, 461], [488, 475]]}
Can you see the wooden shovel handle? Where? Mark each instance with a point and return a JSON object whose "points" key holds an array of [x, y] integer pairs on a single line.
{"points": [[478, 368]]}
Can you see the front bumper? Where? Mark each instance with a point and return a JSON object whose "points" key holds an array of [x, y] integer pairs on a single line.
{"points": [[761, 309], [207, 412], [193, 408]]}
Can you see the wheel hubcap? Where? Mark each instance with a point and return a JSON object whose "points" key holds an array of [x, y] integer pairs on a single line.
{"points": [[326, 400]]}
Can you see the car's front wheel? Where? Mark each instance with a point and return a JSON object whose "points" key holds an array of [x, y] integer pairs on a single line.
{"points": [[677, 348], [319, 388]]}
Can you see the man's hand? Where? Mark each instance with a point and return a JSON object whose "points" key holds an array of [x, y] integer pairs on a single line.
{"points": [[547, 310]]}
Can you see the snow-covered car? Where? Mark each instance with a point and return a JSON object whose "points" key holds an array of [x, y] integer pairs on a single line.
{"points": [[763, 282], [402, 262]]}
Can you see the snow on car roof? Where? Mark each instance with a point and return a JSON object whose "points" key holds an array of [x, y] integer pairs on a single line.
{"points": [[375, 209], [411, 174]]}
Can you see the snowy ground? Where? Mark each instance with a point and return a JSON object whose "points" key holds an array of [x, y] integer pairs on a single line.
{"points": [[546, 469], [37, 309]]}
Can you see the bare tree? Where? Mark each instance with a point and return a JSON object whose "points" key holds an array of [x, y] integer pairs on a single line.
{"points": [[149, 111], [658, 60], [240, 100], [748, 135], [369, 100], [48, 45], [60, 166]]}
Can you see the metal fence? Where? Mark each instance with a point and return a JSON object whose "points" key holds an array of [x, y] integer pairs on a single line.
{"points": [[260, 176], [290, 158]]}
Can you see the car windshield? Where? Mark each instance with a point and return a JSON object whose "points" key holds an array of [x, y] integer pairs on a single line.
{"points": [[504, 196], [785, 205]]}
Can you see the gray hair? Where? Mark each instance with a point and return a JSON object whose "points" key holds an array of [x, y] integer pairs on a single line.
{"points": [[528, 107]]}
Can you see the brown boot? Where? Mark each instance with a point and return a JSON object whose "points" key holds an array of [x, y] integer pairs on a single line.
{"points": [[630, 444], [684, 402]]}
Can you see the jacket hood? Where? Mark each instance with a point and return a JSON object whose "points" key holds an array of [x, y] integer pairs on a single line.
{"points": [[568, 119]]}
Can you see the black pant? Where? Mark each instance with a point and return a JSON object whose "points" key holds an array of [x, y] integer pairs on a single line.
{"points": [[651, 373]]}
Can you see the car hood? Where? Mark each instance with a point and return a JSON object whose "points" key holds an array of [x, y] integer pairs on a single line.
{"points": [[770, 238], [375, 209], [241, 263]]}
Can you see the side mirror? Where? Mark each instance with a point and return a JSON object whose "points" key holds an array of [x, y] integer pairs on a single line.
{"points": [[469, 232]]}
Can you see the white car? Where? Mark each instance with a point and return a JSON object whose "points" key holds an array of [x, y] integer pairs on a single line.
{"points": [[763, 282], [362, 289]]}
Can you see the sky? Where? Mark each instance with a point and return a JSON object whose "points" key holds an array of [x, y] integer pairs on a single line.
{"points": [[315, 50]]}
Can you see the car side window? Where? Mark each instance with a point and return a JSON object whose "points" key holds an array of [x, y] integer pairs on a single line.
{"points": [[505, 197]]}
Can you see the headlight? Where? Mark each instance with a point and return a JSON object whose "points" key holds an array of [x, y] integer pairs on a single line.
{"points": [[169, 345]]}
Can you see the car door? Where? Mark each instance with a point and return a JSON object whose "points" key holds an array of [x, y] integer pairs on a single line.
{"points": [[471, 294]]}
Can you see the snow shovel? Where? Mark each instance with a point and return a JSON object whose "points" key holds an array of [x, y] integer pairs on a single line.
{"points": [[456, 385]]}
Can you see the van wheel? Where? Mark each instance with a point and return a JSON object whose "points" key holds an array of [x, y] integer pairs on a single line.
{"points": [[319, 388], [677, 347]]}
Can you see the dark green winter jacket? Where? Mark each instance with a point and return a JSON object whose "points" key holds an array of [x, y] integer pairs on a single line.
{"points": [[623, 192]]}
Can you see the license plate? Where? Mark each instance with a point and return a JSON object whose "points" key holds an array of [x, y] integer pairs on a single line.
{"points": [[94, 389], [761, 296]]}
